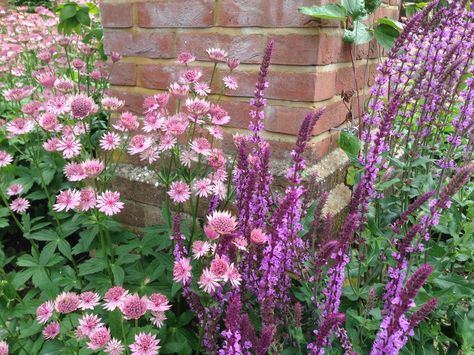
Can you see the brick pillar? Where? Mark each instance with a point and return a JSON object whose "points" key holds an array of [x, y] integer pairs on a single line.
{"points": [[310, 66]]}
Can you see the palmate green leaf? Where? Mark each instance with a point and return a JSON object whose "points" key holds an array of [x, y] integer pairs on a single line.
{"points": [[86, 238], [48, 252], [386, 35], [65, 248], [325, 12], [43, 235], [68, 11], [92, 266], [118, 273], [83, 16], [4, 212]]}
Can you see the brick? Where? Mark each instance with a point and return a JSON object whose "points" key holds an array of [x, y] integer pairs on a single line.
{"points": [[239, 113], [317, 49], [138, 191], [287, 120], [133, 100], [291, 86], [116, 15], [270, 13], [124, 74], [248, 48], [156, 44], [390, 12], [345, 77], [175, 13], [139, 214]]}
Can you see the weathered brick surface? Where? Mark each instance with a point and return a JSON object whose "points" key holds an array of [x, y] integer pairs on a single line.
{"points": [[116, 15], [175, 13], [311, 65]]}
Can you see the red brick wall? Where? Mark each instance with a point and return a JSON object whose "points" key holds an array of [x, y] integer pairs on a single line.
{"points": [[311, 64]]}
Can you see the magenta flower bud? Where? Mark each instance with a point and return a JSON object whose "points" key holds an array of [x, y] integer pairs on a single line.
{"points": [[210, 233], [115, 56]]}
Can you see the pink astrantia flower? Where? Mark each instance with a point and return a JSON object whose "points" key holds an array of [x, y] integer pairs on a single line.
{"points": [[187, 157], [240, 243], [18, 94], [112, 104], [3, 348], [58, 105], [219, 267], [127, 122], [179, 192], [152, 122], [210, 233], [222, 222], [179, 90], [109, 203], [202, 187], [230, 82], [87, 199], [64, 85], [52, 330], [67, 302], [82, 106], [219, 189], [49, 122], [156, 102], [217, 54], [67, 200], [139, 143], [257, 236], [232, 63], [202, 89], [197, 107], [134, 307], [200, 248], [201, 146], [74, 172], [190, 76], [114, 297], [150, 155], [216, 132], [87, 324], [15, 189], [219, 116], [98, 338], [182, 271], [216, 159], [19, 205], [158, 303], [185, 58], [208, 281], [92, 167], [51, 145], [69, 146], [110, 141], [158, 319], [89, 300], [19, 126], [114, 347], [233, 276], [145, 344], [176, 125], [166, 143], [44, 312], [5, 159]]}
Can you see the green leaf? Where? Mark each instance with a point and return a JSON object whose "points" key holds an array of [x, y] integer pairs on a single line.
{"points": [[86, 238], [47, 252], [68, 11], [349, 143], [175, 288], [65, 248], [371, 5], [26, 261], [385, 35], [326, 12], [115, 323], [83, 16], [355, 8], [359, 35], [45, 235], [92, 266], [118, 273], [391, 22]]}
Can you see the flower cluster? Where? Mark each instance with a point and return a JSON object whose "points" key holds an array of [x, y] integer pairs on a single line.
{"points": [[90, 330]]}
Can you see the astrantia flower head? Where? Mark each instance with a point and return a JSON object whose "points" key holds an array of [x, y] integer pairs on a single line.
{"points": [[112, 104], [127, 122], [18, 94], [87, 199], [114, 347], [64, 85], [178, 90], [74, 172], [19, 126], [82, 106], [114, 297], [5, 159], [200, 248], [179, 192], [156, 102], [145, 344], [88, 323], [134, 306], [175, 125], [44, 312], [158, 319], [52, 330], [92, 167], [233, 276], [19, 205], [222, 222], [217, 54], [240, 243], [219, 267], [89, 300], [219, 116], [197, 107], [182, 271], [190, 76], [110, 141], [51, 145], [58, 105], [67, 302], [3, 348], [139, 143], [201, 146], [185, 58], [49, 122], [202, 89], [15, 189], [208, 281], [98, 338], [232, 63], [158, 303], [67, 200], [210, 233], [257, 236], [153, 122], [187, 157], [230, 82], [109, 203], [70, 146], [202, 187]]}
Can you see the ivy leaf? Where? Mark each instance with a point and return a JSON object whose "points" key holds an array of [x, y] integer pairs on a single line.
{"points": [[386, 35], [325, 12]]}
